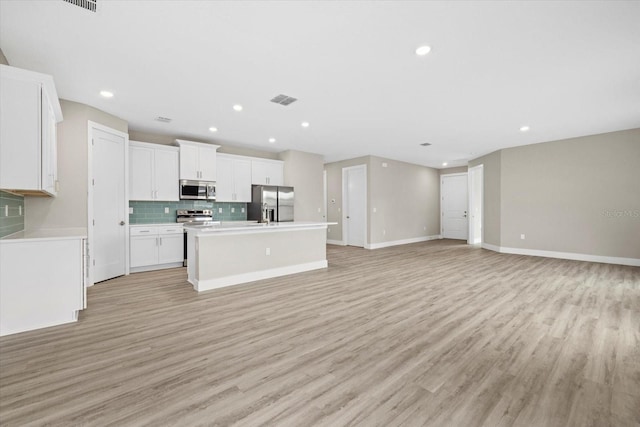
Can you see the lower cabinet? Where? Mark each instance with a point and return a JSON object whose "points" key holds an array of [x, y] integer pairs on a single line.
{"points": [[154, 247]]}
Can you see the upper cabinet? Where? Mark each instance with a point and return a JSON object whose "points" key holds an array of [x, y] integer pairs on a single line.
{"points": [[153, 172], [234, 179], [29, 112], [197, 160], [267, 172]]}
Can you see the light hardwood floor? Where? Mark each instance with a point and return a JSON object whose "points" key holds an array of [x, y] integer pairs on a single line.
{"points": [[435, 334]]}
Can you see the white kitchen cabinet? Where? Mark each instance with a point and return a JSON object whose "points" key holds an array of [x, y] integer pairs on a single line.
{"points": [[197, 160], [234, 179], [153, 172], [154, 247], [267, 172], [42, 280], [29, 112]]}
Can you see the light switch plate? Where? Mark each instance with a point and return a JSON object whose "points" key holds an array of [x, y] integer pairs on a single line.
{"points": [[233, 210], [166, 210], [242, 210], [130, 211], [219, 210]]}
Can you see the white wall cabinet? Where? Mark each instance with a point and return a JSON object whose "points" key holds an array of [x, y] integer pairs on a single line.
{"points": [[197, 160], [234, 179], [29, 112], [154, 247], [267, 172], [153, 172]]}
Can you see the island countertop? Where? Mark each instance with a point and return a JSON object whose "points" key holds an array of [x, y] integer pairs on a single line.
{"points": [[251, 227]]}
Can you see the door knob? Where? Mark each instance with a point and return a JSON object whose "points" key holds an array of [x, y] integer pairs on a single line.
{"points": [[347, 216], [122, 222]]}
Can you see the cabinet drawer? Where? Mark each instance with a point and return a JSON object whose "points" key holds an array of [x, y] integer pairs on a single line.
{"points": [[170, 229], [143, 231]]}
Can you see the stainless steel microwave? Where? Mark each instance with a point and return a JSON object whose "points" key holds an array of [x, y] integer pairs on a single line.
{"points": [[197, 190]]}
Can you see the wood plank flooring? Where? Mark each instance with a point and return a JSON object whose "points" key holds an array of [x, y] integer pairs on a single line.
{"points": [[428, 334]]}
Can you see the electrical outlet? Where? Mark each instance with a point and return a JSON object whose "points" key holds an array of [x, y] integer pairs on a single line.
{"points": [[219, 210], [20, 210], [267, 251], [130, 211], [375, 210], [6, 210], [233, 210], [384, 232], [522, 237], [384, 164], [242, 210], [319, 210], [424, 228], [166, 210], [339, 210]]}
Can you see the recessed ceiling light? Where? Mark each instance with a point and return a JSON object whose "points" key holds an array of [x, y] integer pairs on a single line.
{"points": [[524, 128], [423, 50], [106, 94], [272, 140], [305, 124], [237, 107], [213, 129], [445, 164]]}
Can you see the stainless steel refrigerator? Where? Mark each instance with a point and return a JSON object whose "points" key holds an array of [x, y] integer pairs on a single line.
{"points": [[270, 202]]}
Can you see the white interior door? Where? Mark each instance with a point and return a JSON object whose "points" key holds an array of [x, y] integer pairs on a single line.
{"points": [[454, 199], [355, 205], [109, 199], [475, 204]]}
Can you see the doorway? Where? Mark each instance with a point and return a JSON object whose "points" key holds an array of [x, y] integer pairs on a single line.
{"points": [[107, 206], [453, 206], [476, 184], [354, 202]]}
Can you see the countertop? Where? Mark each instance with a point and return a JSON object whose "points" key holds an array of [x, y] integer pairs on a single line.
{"points": [[252, 227], [46, 234]]}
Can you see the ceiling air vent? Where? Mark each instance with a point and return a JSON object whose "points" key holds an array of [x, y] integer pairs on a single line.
{"points": [[283, 100], [425, 144], [91, 5], [163, 119]]}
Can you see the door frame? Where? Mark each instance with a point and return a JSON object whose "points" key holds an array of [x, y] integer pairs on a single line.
{"points": [[472, 232], [345, 203], [91, 127], [441, 207]]}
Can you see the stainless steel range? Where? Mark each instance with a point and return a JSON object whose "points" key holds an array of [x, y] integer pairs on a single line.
{"points": [[192, 216]]}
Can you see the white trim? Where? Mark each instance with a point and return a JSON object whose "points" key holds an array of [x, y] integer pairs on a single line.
{"points": [[634, 262], [453, 174], [345, 204], [155, 267], [91, 126], [402, 242], [206, 285], [336, 242], [449, 175], [470, 206]]}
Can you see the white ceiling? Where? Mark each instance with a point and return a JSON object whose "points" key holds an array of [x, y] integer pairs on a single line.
{"points": [[565, 69]]}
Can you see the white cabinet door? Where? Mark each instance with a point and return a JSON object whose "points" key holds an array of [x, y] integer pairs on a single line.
{"points": [[49, 149], [242, 180], [166, 167], [267, 172], [189, 163], [141, 165], [207, 160], [144, 251], [225, 184], [171, 248]]}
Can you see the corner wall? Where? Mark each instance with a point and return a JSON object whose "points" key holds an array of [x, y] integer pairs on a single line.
{"points": [[69, 207], [304, 171]]}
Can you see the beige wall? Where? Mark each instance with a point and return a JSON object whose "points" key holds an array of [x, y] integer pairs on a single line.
{"points": [[3, 59], [558, 194], [69, 208], [304, 172], [491, 196], [458, 169], [578, 195], [227, 149], [404, 195]]}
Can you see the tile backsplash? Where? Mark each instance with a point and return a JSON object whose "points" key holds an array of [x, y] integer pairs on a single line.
{"points": [[154, 212], [11, 213]]}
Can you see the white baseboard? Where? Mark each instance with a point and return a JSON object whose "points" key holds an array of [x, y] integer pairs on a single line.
{"points": [[155, 267], [335, 242], [208, 284], [634, 262], [401, 242]]}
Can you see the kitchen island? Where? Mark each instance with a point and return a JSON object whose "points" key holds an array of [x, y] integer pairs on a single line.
{"points": [[226, 254]]}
